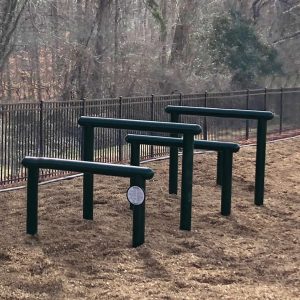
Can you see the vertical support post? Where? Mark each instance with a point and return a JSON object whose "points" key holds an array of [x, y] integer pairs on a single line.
{"points": [[120, 133], [88, 178], [205, 119], [138, 230], [187, 182], [226, 183], [173, 164], [152, 119], [32, 200], [281, 111], [134, 161], [260, 162], [220, 167], [134, 157], [247, 121], [41, 129]]}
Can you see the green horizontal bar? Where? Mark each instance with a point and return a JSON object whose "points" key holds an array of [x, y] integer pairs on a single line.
{"points": [[216, 146], [154, 140], [87, 167], [178, 142], [220, 112], [140, 125]]}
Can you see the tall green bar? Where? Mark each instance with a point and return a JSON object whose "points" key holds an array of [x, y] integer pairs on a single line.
{"points": [[32, 200], [138, 227], [187, 182], [260, 162], [88, 178], [173, 168], [226, 183]]}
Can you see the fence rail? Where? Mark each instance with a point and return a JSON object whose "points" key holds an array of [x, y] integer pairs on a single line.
{"points": [[50, 128]]}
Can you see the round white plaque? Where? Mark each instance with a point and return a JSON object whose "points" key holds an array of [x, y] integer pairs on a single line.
{"points": [[135, 195]]}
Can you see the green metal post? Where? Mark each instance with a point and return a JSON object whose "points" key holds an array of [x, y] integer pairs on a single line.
{"points": [[134, 161], [173, 168], [88, 178], [138, 230], [226, 183], [134, 157], [220, 168], [260, 162], [187, 182], [32, 200]]}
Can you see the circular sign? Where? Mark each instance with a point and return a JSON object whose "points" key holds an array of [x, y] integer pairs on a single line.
{"points": [[135, 195]]}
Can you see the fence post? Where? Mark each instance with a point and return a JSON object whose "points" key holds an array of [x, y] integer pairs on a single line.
{"points": [[82, 113], [41, 129], [152, 119], [281, 111], [265, 99], [247, 121], [120, 132], [180, 99], [205, 120], [83, 106]]}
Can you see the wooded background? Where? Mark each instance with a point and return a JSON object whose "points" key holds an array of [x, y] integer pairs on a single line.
{"points": [[75, 49]]}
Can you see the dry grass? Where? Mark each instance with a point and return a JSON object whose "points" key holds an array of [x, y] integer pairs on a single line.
{"points": [[253, 254]]}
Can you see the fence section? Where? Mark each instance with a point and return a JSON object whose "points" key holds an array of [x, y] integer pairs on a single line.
{"points": [[50, 128]]}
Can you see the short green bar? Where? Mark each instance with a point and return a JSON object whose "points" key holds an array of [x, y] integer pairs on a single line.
{"points": [[138, 175]]}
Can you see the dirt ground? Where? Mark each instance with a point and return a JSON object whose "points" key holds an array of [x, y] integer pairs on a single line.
{"points": [[253, 254]]}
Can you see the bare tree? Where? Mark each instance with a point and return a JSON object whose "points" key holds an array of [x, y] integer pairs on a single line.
{"points": [[10, 14]]}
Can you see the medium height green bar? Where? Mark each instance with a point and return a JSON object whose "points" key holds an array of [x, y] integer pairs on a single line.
{"points": [[188, 131], [224, 168], [261, 116]]}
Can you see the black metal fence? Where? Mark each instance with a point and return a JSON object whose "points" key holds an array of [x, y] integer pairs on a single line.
{"points": [[50, 128]]}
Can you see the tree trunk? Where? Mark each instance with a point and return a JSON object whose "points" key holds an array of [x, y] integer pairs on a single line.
{"points": [[187, 11]]}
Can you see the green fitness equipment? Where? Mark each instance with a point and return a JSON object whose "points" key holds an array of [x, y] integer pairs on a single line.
{"points": [[188, 131], [261, 116], [224, 171], [35, 163]]}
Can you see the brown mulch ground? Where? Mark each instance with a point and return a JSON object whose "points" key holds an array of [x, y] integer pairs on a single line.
{"points": [[253, 254]]}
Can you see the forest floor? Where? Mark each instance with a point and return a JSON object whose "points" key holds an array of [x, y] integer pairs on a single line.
{"points": [[252, 254]]}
